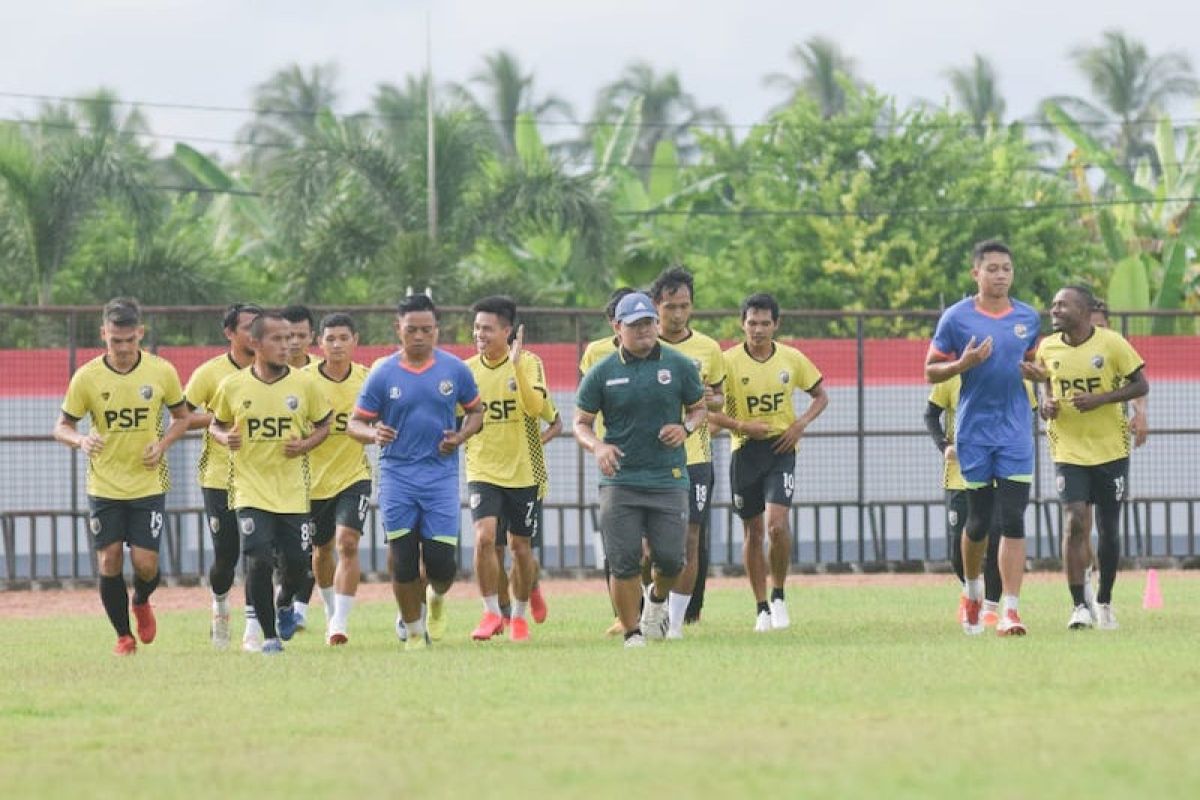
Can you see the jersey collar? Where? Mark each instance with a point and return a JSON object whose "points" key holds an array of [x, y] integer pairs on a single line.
{"points": [[654, 355], [746, 348], [136, 364]]}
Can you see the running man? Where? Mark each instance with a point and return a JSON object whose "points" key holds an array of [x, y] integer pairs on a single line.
{"points": [[652, 400], [124, 392], [506, 466], [672, 293], [214, 475], [270, 417], [341, 478], [1091, 371], [761, 375], [407, 407], [988, 338]]}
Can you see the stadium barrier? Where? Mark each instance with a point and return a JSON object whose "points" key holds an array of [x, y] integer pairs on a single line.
{"points": [[868, 491]]}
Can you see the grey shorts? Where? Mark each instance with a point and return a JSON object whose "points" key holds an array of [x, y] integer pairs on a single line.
{"points": [[627, 514]]}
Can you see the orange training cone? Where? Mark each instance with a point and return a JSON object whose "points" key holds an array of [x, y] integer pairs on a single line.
{"points": [[1152, 597]]}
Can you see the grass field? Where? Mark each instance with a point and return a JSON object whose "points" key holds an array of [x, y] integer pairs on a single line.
{"points": [[874, 692]]}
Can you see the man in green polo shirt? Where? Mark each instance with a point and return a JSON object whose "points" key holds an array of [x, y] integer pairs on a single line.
{"points": [[652, 400]]}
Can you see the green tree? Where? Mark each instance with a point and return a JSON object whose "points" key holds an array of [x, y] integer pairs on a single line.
{"points": [[508, 91], [976, 92], [286, 107], [824, 72]]}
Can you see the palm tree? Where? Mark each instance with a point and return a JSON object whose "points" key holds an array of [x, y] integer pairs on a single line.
{"points": [[668, 112], [509, 92], [976, 91], [1129, 84], [53, 178], [286, 108], [823, 70]]}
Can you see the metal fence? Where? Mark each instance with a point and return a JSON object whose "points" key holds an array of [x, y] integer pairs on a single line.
{"points": [[868, 491]]}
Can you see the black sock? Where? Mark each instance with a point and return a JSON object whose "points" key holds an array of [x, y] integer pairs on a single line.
{"points": [[776, 594], [1077, 594], [143, 589], [260, 591], [115, 598], [506, 610], [632, 633], [763, 606]]}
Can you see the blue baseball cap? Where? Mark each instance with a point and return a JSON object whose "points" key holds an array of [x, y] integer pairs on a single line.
{"points": [[635, 306]]}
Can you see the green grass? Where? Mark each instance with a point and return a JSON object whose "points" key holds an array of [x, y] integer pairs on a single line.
{"points": [[874, 693]]}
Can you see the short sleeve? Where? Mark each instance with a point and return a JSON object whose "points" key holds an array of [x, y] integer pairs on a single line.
{"points": [[945, 345], [199, 391], [693, 387], [589, 395], [468, 390], [219, 404], [370, 397], [549, 410], [172, 389], [317, 402], [716, 367], [75, 404], [807, 374], [1127, 359]]}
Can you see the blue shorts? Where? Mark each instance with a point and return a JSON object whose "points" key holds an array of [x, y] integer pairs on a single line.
{"points": [[431, 512], [983, 463]]}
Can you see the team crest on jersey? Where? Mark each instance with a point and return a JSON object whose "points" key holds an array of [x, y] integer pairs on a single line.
{"points": [[664, 376], [446, 388], [105, 395], [745, 381], [94, 525], [394, 393], [784, 377], [475, 499], [1054, 364], [292, 402], [512, 384], [1097, 361], [146, 392], [245, 404], [1020, 330], [247, 526]]}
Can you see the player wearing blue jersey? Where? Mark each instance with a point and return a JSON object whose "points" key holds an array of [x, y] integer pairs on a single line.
{"points": [[407, 407], [989, 340]]}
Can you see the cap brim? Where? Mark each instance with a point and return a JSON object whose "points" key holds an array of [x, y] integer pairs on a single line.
{"points": [[637, 315]]}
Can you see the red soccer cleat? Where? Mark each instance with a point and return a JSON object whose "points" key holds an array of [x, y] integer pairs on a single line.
{"points": [[489, 626], [147, 626], [971, 624], [337, 639], [126, 646], [518, 630], [962, 609], [537, 605], [1010, 624]]}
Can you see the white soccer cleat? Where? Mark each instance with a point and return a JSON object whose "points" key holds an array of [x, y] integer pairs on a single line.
{"points": [[637, 640], [1081, 619], [1089, 594], [779, 615], [220, 631], [762, 623], [654, 620], [674, 635], [401, 629], [1010, 624], [252, 640], [1108, 619]]}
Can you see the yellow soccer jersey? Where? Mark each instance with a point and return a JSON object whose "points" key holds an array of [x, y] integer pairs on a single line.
{"points": [[267, 415], [761, 391], [596, 351], [339, 461], [201, 389], [507, 451], [706, 354], [1101, 364], [127, 410], [944, 395]]}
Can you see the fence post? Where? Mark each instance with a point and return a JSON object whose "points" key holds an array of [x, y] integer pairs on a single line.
{"points": [[861, 382]]}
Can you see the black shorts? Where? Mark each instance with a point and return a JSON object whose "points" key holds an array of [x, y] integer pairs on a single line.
{"points": [[264, 532], [222, 520], [517, 509], [137, 522], [700, 494], [1102, 485], [758, 476], [347, 509]]}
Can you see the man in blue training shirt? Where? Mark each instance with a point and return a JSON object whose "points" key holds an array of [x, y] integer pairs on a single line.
{"points": [[989, 339], [407, 407]]}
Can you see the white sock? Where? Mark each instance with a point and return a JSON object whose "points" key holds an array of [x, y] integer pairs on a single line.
{"points": [[677, 609], [330, 602], [1089, 591], [415, 628], [518, 608], [301, 609], [1010, 602], [491, 604], [990, 605], [975, 588], [221, 603], [342, 603], [252, 627]]}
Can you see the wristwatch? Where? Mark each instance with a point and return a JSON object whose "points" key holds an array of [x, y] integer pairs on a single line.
{"points": [[689, 427]]}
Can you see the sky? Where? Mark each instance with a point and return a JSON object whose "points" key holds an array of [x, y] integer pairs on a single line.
{"points": [[215, 52]]}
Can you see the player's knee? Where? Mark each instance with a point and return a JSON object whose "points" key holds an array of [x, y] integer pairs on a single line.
{"points": [[260, 564], [1011, 522], [403, 562], [347, 544], [519, 545], [485, 536], [111, 560], [440, 562]]}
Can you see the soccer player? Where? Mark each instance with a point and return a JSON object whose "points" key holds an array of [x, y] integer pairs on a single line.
{"points": [[407, 407], [761, 375], [988, 339], [214, 475], [341, 479], [1091, 371], [672, 293], [271, 416], [300, 335], [506, 466], [652, 400], [124, 392]]}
